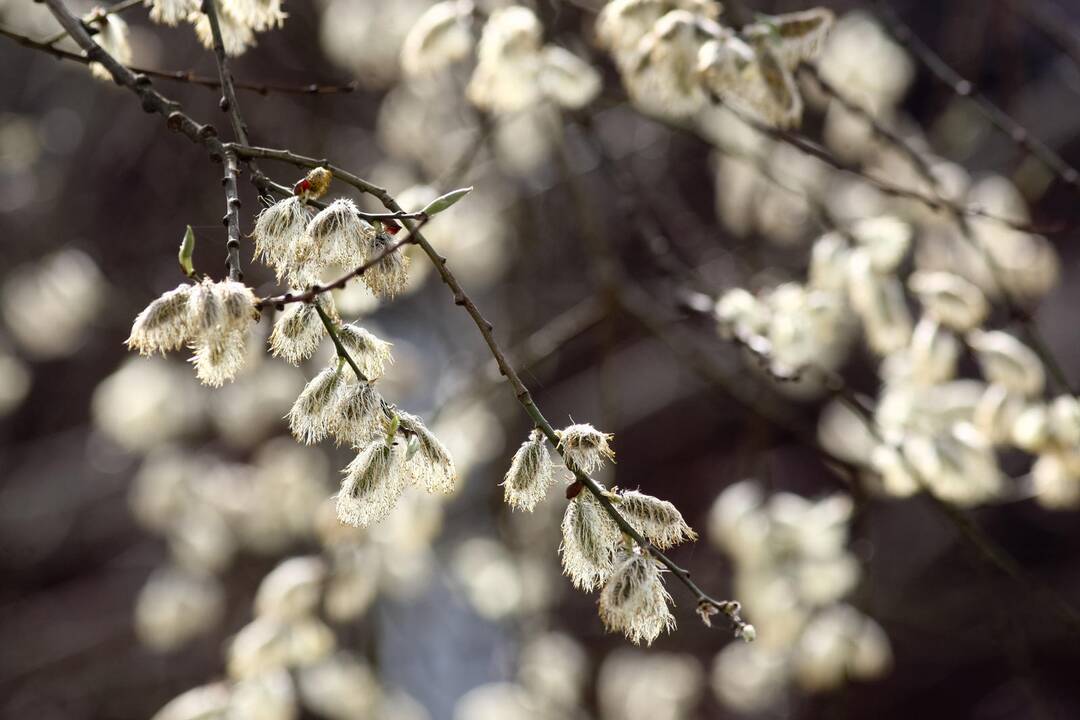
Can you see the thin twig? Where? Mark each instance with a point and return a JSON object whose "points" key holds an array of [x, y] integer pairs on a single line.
{"points": [[231, 219]]}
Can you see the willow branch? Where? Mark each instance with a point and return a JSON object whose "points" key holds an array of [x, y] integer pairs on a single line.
{"points": [[729, 608]]}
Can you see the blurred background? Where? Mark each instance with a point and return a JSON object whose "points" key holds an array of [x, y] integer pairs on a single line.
{"points": [[139, 511]]}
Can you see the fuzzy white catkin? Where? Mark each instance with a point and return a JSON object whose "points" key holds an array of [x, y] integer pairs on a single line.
{"points": [[198, 703], [648, 685], [373, 482], [311, 418], [507, 61], [267, 696], [634, 600], [370, 353], [259, 15], [664, 80], [355, 417], [530, 475], [886, 239], [1007, 361], [338, 234], [299, 330], [292, 589], [1056, 479], [171, 12], [265, 644], [235, 35], [585, 447], [567, 79], [164, 325], [589, 536], [431, 466], [950, 299], [340, 687], [175, 606], [657, 520], [439, 37], [279, 230]]}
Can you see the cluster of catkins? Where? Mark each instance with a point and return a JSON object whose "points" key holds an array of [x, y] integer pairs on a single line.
{"points": [[930, 429], [793, 568], [239, 21], [341, 402], [514, 69], [301, 246], [595, 551], [285, 661], [675, 57]]}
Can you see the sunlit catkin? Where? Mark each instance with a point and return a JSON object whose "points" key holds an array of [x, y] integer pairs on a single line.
{"points": [[530, 475], [634, 600], [589, 538], [657, 520]]}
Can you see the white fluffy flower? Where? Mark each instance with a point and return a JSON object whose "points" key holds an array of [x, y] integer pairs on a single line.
{"points": [[279, 231], [292, 589], [634, 600], [311, 417], [657, 520], [584, 447], [171, 12], [508, 58], [164, 325], [530, 475], [299, 329], [369, 352], [950, 299], [589, 536], [373, 482], [439, 37], [1007, 361], [567, 79]]}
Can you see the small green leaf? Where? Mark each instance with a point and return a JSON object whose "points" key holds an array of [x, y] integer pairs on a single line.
{"points": [[187, 250], [444, 201]]}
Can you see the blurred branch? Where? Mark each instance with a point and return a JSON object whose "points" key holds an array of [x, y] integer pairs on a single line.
{"points": [[965, 88], [184, 76], [1050, 20]]}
